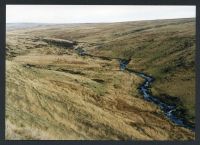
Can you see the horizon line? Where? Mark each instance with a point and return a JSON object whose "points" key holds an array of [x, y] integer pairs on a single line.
{"points": [[98, 22]]}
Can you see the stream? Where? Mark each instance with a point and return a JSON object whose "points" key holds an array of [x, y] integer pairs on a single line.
{"points": [[169, 111], [144, 89]]}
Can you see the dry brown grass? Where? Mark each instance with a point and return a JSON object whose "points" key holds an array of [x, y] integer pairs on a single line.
{"points": [[65, 96]]}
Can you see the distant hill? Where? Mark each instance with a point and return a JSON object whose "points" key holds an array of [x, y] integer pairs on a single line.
{"points": [[20, 26]]}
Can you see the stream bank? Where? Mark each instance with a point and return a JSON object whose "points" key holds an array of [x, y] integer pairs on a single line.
{"points": [[170, 111]]}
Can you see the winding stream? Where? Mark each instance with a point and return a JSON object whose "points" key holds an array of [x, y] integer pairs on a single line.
{"points": [[169, 111], [144, 88]]}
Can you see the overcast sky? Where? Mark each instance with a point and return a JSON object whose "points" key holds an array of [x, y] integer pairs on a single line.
{"points": [[93, 13]]}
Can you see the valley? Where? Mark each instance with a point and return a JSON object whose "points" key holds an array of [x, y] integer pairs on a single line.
{"points": [[65, 81]]}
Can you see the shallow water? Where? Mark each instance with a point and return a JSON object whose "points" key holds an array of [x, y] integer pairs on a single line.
{"points": [[169, 110]]}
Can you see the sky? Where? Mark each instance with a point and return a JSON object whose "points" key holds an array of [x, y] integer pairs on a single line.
{"points": [[93, 13]]}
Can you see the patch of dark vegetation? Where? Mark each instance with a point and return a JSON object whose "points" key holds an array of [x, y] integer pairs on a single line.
{"points": [[10, 52], [39, 46], [10, 55], [116, 86], [105, 58], [166, 69], [48, 67], [101, 57], [29, 65], [71, 71], [170, 99], [60, 42], [99, 80]]}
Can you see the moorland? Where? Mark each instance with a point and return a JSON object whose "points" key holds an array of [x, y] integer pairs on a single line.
{"points": [[63, 81]]}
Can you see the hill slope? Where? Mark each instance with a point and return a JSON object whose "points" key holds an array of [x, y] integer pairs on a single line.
{"points": [[58, 94]]}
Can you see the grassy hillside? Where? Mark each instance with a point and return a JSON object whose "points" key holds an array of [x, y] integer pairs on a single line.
{"points": [[163, 48], [53, 93]]}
